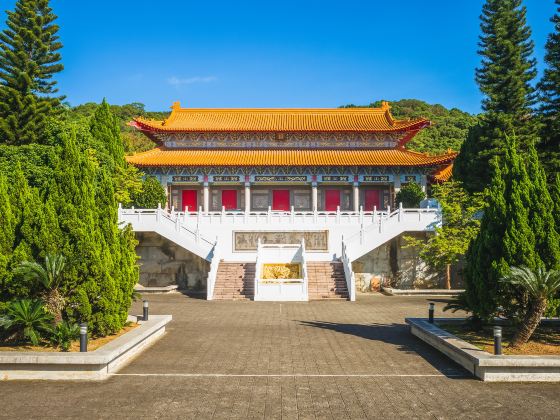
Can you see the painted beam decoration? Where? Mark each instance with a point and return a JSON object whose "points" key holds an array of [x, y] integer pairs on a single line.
{"points": [[280, 178]]}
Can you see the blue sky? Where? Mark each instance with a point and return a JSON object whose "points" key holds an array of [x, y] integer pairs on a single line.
{"points": [[284, 53]]}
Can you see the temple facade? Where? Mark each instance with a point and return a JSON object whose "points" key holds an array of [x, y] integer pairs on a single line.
{"points": [[266, 166]]}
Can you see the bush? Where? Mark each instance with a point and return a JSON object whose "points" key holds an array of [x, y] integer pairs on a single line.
{"points": [[26, 320], [63, 335], [151, 195], [410, 195]]}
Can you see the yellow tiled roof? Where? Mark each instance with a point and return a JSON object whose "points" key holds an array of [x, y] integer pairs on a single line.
{"points": [[443, 174], [256, 157], [300, 119]]}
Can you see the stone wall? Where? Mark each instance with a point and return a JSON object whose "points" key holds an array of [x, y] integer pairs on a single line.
{"points": [[163, 263], [393, 264]]}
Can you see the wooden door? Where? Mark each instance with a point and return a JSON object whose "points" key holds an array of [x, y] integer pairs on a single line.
{"points": [[281, 200], [372, 199], [190, 200], [229, 199], [332, 200]]}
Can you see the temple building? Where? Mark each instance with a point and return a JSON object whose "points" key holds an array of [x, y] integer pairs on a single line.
{"points": [[264, 165]]}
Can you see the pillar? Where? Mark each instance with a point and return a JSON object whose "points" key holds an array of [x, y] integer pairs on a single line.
{"points": [[206, 198], [396, 189], [424, 182], [247, 197], [356, 196], [314, 196]]}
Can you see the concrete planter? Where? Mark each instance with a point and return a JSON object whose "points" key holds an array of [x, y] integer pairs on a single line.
{"points": [[481, 364], [95, 365]]}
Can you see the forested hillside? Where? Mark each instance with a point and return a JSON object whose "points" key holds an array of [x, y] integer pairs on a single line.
{"points": [[134, 141], [449, 126]]}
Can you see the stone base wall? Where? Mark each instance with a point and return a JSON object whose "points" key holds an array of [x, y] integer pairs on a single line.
{"points": [[163, 263], [393, 264]]}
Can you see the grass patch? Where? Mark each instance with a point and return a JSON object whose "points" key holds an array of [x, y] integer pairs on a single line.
{"points": [[545, 340], [93, 343]]}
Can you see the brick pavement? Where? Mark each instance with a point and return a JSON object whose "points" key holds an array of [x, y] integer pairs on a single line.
{"points": [[291, 360]]}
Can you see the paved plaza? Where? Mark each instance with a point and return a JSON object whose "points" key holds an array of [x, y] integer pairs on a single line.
{"points": [[317, 360]]}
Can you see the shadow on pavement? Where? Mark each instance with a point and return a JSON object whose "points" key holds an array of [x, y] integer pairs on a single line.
{"points": [[399, 336]]}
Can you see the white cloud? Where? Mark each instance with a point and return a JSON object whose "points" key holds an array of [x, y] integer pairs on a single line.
{"points": [[177, 81]]}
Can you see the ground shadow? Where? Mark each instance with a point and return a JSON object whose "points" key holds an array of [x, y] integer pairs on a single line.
{"points": [[194, 294], [399, 336]]}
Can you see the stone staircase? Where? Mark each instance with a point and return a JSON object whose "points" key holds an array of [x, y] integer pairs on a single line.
{"points": [[235, 281], [326, 281]]}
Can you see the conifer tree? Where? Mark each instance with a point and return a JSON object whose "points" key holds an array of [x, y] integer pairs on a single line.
{"points": [[29, 59], [105, 130], [549, 88], [517, 229], [504, 78]]}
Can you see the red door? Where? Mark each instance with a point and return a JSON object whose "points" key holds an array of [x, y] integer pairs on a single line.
{"points": [[281, 200], [229, 199], [190, 200], [332, 200], [372, 200]]}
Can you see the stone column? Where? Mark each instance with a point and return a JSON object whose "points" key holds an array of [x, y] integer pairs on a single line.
{"points": [[356, 196], [314, 196], [424, 182], [247, 197], [206, 198]]}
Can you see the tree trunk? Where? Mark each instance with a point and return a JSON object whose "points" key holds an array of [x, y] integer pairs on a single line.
{"points": [[448, 276], [530, 322], [54, 302]]}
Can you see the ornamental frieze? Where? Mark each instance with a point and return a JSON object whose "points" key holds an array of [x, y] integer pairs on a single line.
{"points": [[233, 140]]}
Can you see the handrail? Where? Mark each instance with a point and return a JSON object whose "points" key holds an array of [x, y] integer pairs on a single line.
{"points": [[348, 272], [213, 273], [257, 267], [304, 270]]}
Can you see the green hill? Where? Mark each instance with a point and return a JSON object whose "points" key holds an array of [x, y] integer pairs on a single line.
{"points": [[448, 130]]}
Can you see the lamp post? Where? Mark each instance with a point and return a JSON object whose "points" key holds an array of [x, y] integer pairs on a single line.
{"points": [[431, 313], [83, 337], [145, 307], [497, 341]]}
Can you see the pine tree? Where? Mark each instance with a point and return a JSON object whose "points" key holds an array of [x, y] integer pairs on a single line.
{"points": [[549, 88], [517, 229], [29, 59], [504, 78]]}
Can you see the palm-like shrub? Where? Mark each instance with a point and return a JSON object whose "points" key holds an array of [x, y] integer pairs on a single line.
{"points": [[540, 286], [26, 320], [63, 335], [50, 277]]}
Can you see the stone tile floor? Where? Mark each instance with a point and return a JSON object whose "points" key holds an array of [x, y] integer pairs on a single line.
{"points": [[318, 360]]}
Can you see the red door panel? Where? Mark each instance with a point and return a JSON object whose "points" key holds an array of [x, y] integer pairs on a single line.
{"points": [[281, 200], [229, 199], [190, 200], [372, 200], [332, 200]]}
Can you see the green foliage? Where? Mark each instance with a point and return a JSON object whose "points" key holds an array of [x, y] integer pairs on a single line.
{"points": [[63, 334], [128, 184], [151, 195], [48, 276], [552, 308], [410, 195], [448, 130], [549, 88], [29, 59], [460, 226], [538, 283], [515, 231], [26, 320], [506, 49], [104, 128]]}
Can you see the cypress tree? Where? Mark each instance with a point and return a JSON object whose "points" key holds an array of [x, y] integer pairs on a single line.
{"points": [[517, 229], [29, 59], [504, 78], [7, 234], [105, 130], [549, 88]]}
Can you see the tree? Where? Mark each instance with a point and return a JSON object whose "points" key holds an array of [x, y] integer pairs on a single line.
{"points": [[151, 195], [50, 277], [512, 233], [541, 285], [460, 226], [410, 195], [29, 59], [549, 88], [27, 320], [105, 130], [504, 78]]}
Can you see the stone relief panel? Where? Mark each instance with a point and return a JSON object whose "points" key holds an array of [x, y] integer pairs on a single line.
{"points": [[314, 240]]}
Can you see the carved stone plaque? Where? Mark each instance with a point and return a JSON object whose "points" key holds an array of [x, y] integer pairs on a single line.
{"points": [[315, 240]]}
